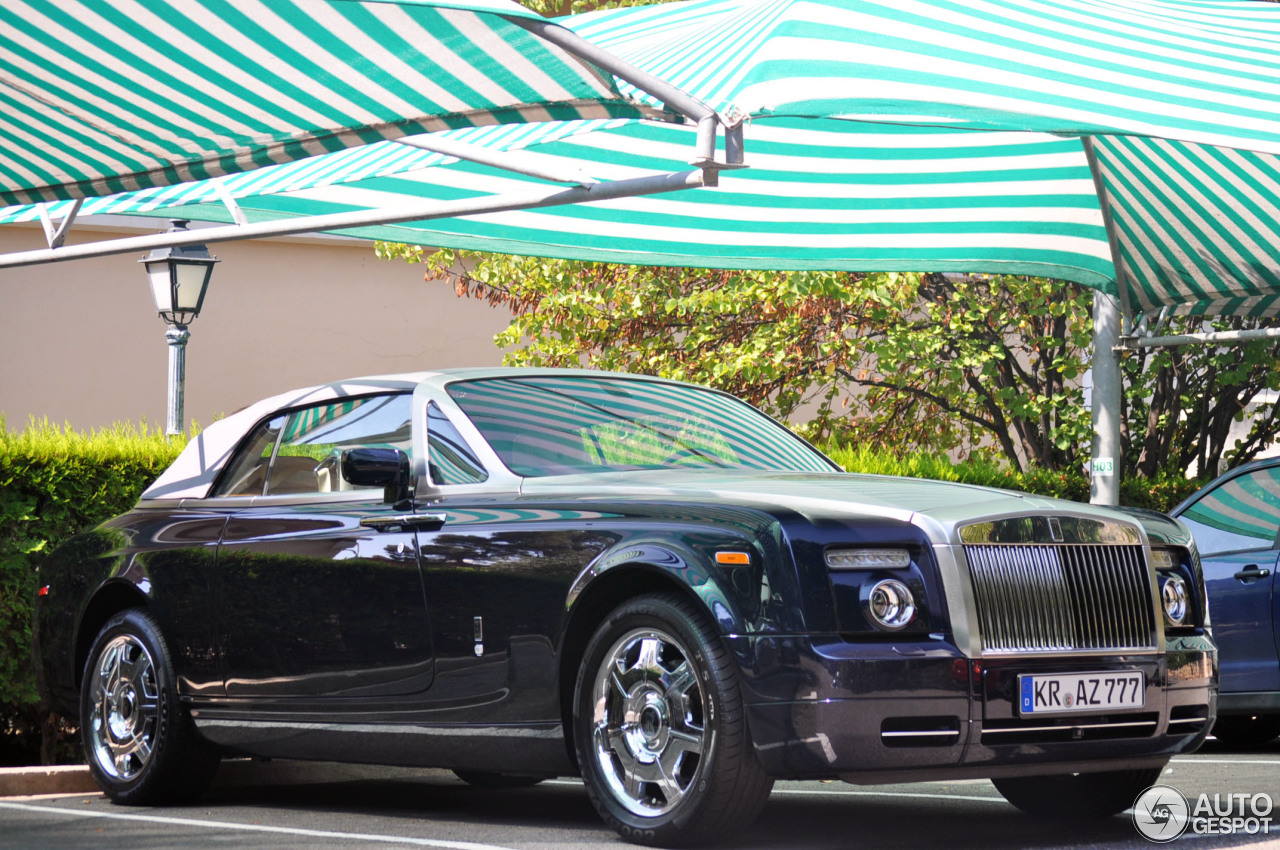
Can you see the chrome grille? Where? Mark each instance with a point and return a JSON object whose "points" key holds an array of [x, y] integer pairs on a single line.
{"points": [[1062, 597]]}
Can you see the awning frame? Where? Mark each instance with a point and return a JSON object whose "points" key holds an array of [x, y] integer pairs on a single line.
{"points": [[582, 189]]}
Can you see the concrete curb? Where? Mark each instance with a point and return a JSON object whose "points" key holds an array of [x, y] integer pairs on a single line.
{"points": [[232, 773], [60, 779]]}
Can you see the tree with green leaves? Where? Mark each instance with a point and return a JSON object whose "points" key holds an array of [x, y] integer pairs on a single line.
{"points": [[931, 361], [887, 360], [1180, 403]]}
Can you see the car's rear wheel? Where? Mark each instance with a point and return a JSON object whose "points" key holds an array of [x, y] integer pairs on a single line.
{"points": [[660, 730], [139, 741], [1078, 795], [1246, 731]]}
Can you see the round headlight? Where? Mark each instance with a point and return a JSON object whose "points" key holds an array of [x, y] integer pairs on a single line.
{"points": [[1173, 593], [891, 605]]}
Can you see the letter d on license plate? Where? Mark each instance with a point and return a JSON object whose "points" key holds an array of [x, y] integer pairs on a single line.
{"points": [[1061, 693]]}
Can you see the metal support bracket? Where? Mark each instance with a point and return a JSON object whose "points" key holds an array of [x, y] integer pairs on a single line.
{"points": [[707, 119], [228, 201], [56, 235], [1133, 342]]}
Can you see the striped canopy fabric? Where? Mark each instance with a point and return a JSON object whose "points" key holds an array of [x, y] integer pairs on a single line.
{"points": [[1240, 514], [1198, 226], [1128, 145], [818, 195], [1206, 71], [103, 96]]}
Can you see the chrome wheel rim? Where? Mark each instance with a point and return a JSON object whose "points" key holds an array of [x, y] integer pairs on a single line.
{"points": [[125, 711], [648, 728]]}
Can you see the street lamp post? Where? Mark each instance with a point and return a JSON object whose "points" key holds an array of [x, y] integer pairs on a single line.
{"points": [[179, 276]]}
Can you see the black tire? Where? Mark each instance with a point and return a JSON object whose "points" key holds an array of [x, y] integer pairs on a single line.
{"points": [[1246, 731], [139, 741], [684, 771], [490, 780], [1075, 796]]}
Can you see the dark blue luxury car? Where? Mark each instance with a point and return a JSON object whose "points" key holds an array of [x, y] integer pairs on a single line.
{"points": [[1236, 524], [517, 574]]}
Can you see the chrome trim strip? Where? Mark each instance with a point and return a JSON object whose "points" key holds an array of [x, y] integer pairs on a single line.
{"points": [[527, 730], [1039, 530], [1065, 728], [947, 732], [957, 592]]}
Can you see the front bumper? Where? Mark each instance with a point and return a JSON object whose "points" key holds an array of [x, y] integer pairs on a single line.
{"points": [[877, 712]]}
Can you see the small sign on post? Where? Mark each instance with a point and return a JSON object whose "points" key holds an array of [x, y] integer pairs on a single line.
{"points": [[1104, 466]]}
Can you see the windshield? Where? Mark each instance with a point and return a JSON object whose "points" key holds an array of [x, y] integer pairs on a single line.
{"points": [[566, 425]]}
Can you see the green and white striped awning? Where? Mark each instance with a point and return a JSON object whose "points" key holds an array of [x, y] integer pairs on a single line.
{"points": [[103, 96], [897, 135], [816, 196]]}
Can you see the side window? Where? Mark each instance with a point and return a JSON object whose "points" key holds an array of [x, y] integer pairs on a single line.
{"points": [[1240, 515], [247, 473], [301, 452], [450, 459], [311, 445]]}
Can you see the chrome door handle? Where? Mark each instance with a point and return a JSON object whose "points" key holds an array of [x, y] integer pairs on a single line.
{"points": [[1251, 573], [400, 522]]}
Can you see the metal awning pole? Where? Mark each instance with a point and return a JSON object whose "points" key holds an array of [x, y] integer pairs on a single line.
{"points": [[424, 211], [673, 98], [566, 39], [1108, 388], [1107, 395]]}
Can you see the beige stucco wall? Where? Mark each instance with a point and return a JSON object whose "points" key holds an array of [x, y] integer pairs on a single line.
{"points": [[80, 341]]}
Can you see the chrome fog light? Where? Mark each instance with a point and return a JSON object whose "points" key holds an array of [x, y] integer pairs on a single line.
{"points": [[1173, 595], [890, 605]]}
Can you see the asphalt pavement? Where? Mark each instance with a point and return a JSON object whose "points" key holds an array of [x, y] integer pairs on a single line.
{"points": [[283, 805]]}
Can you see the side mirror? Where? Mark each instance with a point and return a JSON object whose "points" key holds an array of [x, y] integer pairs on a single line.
{"points": [[386, 468]]}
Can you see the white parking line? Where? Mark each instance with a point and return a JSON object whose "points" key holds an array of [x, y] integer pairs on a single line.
{"points": [[248, 827], [1207, 760]]}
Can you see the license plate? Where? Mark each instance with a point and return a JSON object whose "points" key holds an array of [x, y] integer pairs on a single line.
{"points": [[1063, 693]]}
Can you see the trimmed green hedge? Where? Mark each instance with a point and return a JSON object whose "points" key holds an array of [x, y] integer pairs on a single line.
{"points": [[1160, 494], [55, 482]]}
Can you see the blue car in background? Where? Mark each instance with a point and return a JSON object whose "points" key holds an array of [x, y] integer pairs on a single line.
{"points": [[1235, 521]]}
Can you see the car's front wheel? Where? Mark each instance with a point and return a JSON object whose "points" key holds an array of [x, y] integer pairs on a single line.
{"points": [[1078, 795], [139, 741], [660, 729]]}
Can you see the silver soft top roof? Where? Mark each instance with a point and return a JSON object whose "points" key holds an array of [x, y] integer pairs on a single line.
{"points": [[192, 474]]}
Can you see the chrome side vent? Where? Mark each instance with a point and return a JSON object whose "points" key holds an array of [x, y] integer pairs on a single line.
{"points": [[1188, 719], [1064, 729], [920, 731], [1065, 597]]}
